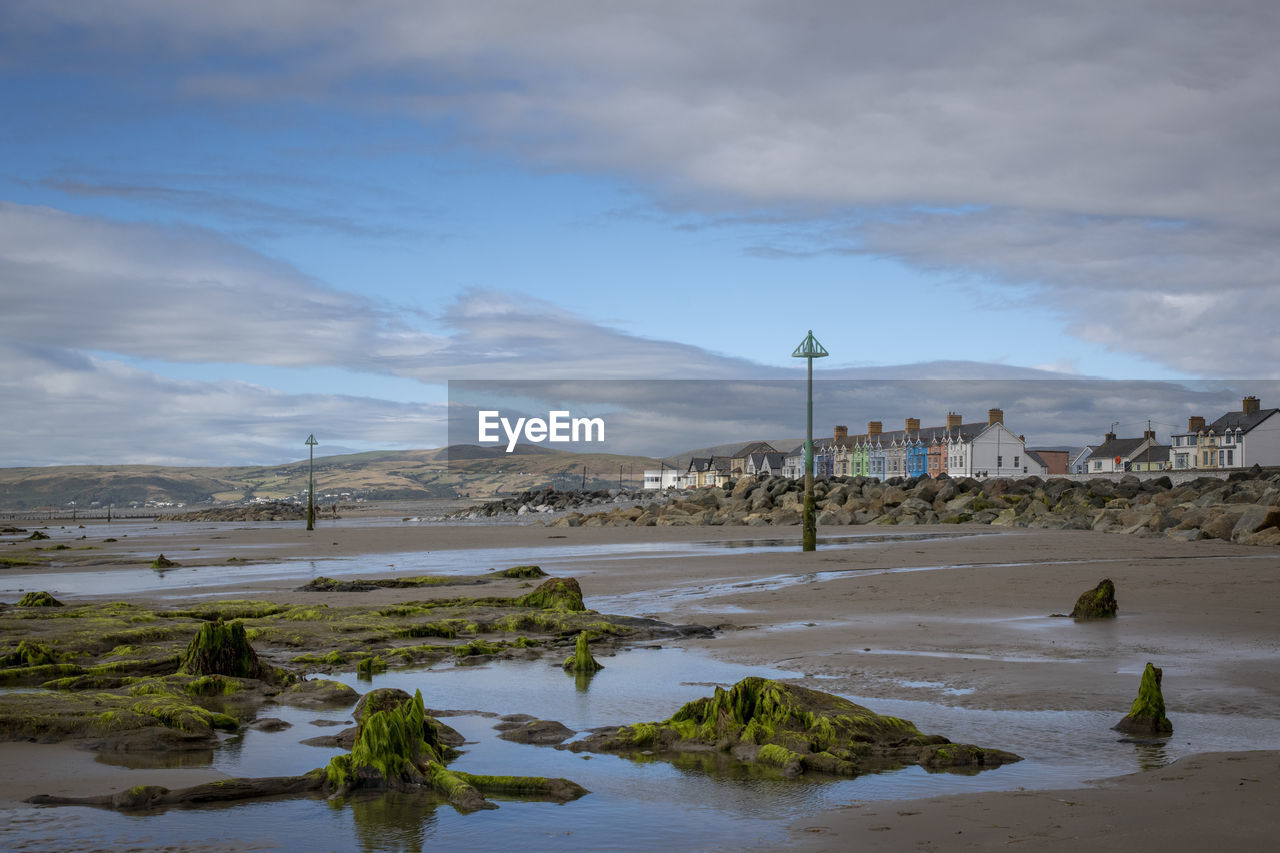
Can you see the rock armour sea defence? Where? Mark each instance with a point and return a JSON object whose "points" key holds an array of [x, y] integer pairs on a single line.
{"points": [[1245, 508]]}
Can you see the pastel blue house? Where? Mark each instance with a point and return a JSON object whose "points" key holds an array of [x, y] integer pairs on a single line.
{"points": [[917, 458]]}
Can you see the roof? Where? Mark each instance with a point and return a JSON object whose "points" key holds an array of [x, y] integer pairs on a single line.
{"points": [[1035, 457], [1240, 420], [926, 434], [754, 448], [1083, 451], [774, 458], [1122, 447]]}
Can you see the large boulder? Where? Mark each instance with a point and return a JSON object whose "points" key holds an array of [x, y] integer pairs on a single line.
{"points": [[1253, 520]]}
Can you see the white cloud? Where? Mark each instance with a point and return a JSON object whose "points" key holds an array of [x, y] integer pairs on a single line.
{"points": [[64, 408], [1127, 149], [180, 294]]}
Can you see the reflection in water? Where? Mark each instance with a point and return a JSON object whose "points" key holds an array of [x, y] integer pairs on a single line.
{"points": [[1152, 754], [157, 760], [391, 820], [582, 680]]}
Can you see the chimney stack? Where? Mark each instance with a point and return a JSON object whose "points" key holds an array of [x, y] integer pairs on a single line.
{"points": [[953, 420], [1111, 436], [913, 424], [1150, 433], [842, 431], [1251, 404], [995, 416], [875, 427], [1195, 424]]}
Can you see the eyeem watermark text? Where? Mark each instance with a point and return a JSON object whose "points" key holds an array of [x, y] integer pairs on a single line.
{"points": [[557, 427]]}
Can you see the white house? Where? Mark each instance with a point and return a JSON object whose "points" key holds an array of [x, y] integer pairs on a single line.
{"points": [[985, 451], [1118, 454], [665, 477], [1236, 440]]}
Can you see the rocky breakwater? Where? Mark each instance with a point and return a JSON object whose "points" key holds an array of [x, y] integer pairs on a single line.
{"points": [[271, 511], [550, 501], [1245, 508]]}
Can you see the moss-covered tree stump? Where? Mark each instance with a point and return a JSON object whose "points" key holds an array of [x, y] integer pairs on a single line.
{"points": [[39, 599], [1097, 603], [795, 729], [1146, 717], [398, 747], [555, 594], [163, 562], [581, 660], [222, 648]]}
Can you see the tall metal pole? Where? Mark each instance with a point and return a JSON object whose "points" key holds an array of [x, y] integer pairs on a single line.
{"points": [[809, 349], [809, 536], [311, 482]]}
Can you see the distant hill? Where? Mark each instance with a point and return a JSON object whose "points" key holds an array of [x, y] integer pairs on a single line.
{"points": [[449, 472]]}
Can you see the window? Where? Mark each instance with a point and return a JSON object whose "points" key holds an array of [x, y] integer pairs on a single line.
{"points": [[1015, 463], [999, 461], [1097, 465]]}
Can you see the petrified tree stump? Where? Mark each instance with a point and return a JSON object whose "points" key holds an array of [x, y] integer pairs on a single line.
{"points": [[1097, 603], [1146, 717]]}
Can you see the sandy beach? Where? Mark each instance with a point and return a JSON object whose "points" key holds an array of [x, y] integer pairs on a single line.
{"points": [[952, 615]]}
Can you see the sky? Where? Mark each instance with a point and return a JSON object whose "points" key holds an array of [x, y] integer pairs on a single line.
{"points": [[226, 226]]}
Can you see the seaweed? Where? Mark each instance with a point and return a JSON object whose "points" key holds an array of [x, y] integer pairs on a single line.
{"points": [[39, 599], [1146, 715], [221, 648], [581, 659]]}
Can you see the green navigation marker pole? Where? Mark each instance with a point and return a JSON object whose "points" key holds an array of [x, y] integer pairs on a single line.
{"points": [[311, 482], [809, 349]]}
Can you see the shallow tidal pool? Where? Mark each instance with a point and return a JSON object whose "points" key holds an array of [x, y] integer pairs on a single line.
{"points": [[633, 804]]}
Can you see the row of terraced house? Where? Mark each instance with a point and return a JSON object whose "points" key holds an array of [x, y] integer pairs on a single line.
{"points": [[980, 449], [959, 449]]}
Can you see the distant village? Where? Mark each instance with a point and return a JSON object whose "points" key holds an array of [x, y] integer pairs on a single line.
{"points": [[989, 449]]}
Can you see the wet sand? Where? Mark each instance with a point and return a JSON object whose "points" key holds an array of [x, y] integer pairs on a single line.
{"points": [[958, 619]]}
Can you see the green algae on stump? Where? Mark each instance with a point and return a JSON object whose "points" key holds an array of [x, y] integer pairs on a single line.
{"points": [[396, 749], [581, 659], [796, 729], [555, 594], [366, 668], [522, 572], [222, 648], [1097, 603], [1146, 717], [163, 562], [39, 599]]}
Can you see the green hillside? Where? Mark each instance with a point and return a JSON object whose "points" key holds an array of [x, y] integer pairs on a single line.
{"points": [[378, 475]]}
